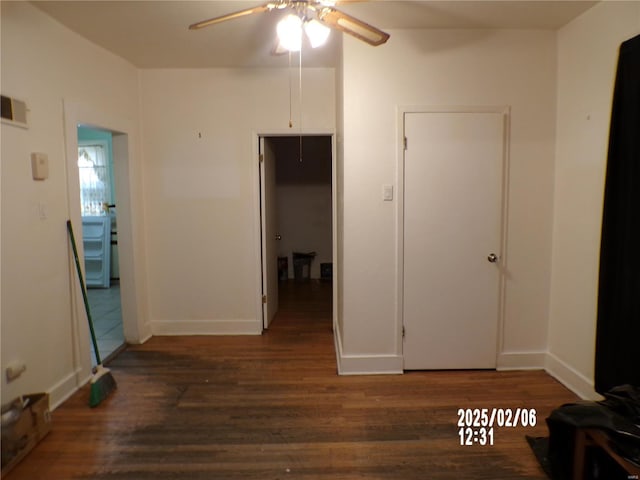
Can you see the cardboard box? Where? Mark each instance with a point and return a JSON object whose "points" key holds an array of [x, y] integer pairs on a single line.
{"points": [[32, 424]]}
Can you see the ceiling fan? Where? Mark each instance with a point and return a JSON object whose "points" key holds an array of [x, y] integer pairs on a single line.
{"points": [[312, 15]]}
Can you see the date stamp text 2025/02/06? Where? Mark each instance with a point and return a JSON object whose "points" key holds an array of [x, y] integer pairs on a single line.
{"points": [[476, 426]]}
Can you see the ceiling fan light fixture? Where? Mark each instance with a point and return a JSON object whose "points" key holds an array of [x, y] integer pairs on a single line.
{"points": [[316, 32], [290, 32], [311, 15]]}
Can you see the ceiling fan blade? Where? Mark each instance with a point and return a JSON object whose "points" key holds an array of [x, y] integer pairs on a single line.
{"points": [[231, 16], [351, 25]]}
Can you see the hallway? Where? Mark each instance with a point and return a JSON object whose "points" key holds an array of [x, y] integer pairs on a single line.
{"points": [[106, 313]]}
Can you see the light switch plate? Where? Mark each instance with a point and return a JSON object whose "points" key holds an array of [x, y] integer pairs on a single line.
{"points": [[387, 193], [39, 166]]}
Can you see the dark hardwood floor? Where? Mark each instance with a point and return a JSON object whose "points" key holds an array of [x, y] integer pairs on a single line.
{"points": [[273, 407]]}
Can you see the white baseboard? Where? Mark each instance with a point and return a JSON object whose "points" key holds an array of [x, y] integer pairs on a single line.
{"points": [[206, 327], [145, 338], [138, 337], [570, 378], [146, 332], [66, 387], [366, 364], [521, 361]]}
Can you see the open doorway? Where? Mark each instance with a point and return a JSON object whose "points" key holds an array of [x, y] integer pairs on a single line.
{"points": [[129, 229], [100, 237], [297, 224]]}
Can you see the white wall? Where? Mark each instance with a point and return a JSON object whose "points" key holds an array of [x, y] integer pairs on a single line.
{"points": [[304, 221], [440, 68], [199, 140], [44, 63], [338, 175], [587, 59]]}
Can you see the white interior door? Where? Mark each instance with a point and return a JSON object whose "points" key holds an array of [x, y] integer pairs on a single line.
{"points": [[269, 221], [452, 226]]}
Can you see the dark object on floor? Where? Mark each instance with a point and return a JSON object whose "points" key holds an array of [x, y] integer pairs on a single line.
{"points": [[326, 271], [283, 268], [302, 265], [102, 382], [618, 327], [614, 422], [540, 448]]}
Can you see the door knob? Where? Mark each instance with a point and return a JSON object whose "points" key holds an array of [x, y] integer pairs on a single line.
{"points": [[492, 258], [278, 236]]}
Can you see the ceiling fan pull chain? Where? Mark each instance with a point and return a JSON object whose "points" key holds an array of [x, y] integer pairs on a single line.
{"points": [[290, 93], [300, 99]]}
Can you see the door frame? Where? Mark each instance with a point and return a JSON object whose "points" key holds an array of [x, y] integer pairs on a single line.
{"points": [[127, 173], [505, 110], [255, 142], [265, 239]]}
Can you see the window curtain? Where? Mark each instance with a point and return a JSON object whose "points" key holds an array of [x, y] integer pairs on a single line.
{"points": [[95, 182], [618, 329]]}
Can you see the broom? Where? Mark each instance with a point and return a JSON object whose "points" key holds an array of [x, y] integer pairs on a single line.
{"points": [[102, 382]]}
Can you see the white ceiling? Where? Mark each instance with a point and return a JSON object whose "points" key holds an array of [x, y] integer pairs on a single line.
{"points": [[154, 34]]}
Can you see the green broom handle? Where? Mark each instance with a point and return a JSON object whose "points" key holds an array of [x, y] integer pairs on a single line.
{"points": [[84, 291]]}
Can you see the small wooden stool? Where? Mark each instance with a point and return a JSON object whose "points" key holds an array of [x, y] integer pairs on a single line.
{"points": [[593, 437]]}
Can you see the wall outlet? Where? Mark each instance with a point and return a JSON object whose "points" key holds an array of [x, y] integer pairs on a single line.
{"points": [[14, 370]]}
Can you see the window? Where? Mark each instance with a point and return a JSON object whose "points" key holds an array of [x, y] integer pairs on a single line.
{"points": [[95, 178]]}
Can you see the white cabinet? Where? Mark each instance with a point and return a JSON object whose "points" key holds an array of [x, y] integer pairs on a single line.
{"points": [[96, 235]]}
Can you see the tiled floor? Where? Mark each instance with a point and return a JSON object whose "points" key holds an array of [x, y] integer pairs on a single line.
{"points": [[106, 313]]}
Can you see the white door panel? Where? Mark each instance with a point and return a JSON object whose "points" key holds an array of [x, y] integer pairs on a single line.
{"points": [[452, 222], [269, 226]]}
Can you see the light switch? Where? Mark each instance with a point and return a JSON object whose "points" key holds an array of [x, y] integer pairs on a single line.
{"points": [[42, 211], [387, 193], [39, 166]]}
